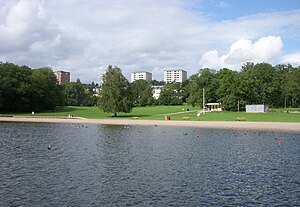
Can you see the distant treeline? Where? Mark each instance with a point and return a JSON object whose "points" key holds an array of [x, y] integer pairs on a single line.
{"points": [[262, 83], [23, 89]]}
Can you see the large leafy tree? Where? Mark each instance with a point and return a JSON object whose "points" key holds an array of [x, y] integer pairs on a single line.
{"points": [[229, 90], [23, 89], [115, 95], [45, 93], [261, 84], [142, 92], [292, 88], [174, 94], [285, 74], [170, 97], [15, 87], [91, 94], [74, 93], [206, 78]]}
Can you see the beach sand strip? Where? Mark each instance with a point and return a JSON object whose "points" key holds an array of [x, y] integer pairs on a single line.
{"points": [[273, 126]]}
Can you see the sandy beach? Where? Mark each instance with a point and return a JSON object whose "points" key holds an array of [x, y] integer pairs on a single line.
{"points": [[273, 126]]}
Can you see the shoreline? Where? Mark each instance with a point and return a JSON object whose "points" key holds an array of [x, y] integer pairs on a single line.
{"points": [[263, 126]]}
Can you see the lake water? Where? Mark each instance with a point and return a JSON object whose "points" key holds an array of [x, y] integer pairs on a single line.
{"points": [[95, 165]]}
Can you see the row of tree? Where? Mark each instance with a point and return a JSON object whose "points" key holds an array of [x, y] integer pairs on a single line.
{"points": [[79, 94], [262, 83], [24, 89], [117, 89]]}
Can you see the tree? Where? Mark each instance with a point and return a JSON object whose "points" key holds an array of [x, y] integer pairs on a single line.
{"points": [[15, 87], [141, 92], [292, 87], [174, 94], [285, 71], [170, 97], [229, 92], [261, 84], [45, 92], [24, 90], [157, 83], [206, 78], [115, 95], [74, 93]]}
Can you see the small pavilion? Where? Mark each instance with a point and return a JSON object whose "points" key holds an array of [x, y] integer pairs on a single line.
{"points": [[213, 106]]}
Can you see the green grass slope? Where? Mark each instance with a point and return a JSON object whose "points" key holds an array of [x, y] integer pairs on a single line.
{"points": [[159, 112]]}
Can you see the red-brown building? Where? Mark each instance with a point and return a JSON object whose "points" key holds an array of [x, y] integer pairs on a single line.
{"points": [[62, 76]]}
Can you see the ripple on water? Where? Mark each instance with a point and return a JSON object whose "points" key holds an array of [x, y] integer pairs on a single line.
{"points": [[94, 165]]}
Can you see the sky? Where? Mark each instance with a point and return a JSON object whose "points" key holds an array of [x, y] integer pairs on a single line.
{"points": [[84, 37]]}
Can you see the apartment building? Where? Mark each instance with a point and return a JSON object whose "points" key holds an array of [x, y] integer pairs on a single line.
{"points": [[62, 76], [177, 75], [141, 76]]}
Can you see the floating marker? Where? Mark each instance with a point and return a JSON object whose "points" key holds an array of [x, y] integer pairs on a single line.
{"points": [[279, 141], [197, 135]]}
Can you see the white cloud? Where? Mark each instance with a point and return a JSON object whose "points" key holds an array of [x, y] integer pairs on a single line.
{"points": [[265, 49], [293, 58], [210, 59], [135, 35], [24, 25]]}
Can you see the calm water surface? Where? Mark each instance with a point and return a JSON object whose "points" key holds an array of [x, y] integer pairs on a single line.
{"points": [[94, 165]]}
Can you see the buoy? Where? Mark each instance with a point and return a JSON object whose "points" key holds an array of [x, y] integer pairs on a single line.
{"points": [[197, 135], [49, 147], [279, 141]]}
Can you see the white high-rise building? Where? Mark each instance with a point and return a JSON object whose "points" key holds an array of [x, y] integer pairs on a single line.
{"points": [[177, 75], [141, 76]]}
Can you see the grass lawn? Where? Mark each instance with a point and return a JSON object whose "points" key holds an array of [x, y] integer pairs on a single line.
{"points": [[95, 113], [158, 112], [234, 116]]}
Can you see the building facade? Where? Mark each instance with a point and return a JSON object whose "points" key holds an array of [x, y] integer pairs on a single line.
{"points": [[141, 76], [62, 77], [156, 90], [177, 75]]}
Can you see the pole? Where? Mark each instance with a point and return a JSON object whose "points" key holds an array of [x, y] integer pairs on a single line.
{"points": [[284, 102], [203, 101], [238, 105]]}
